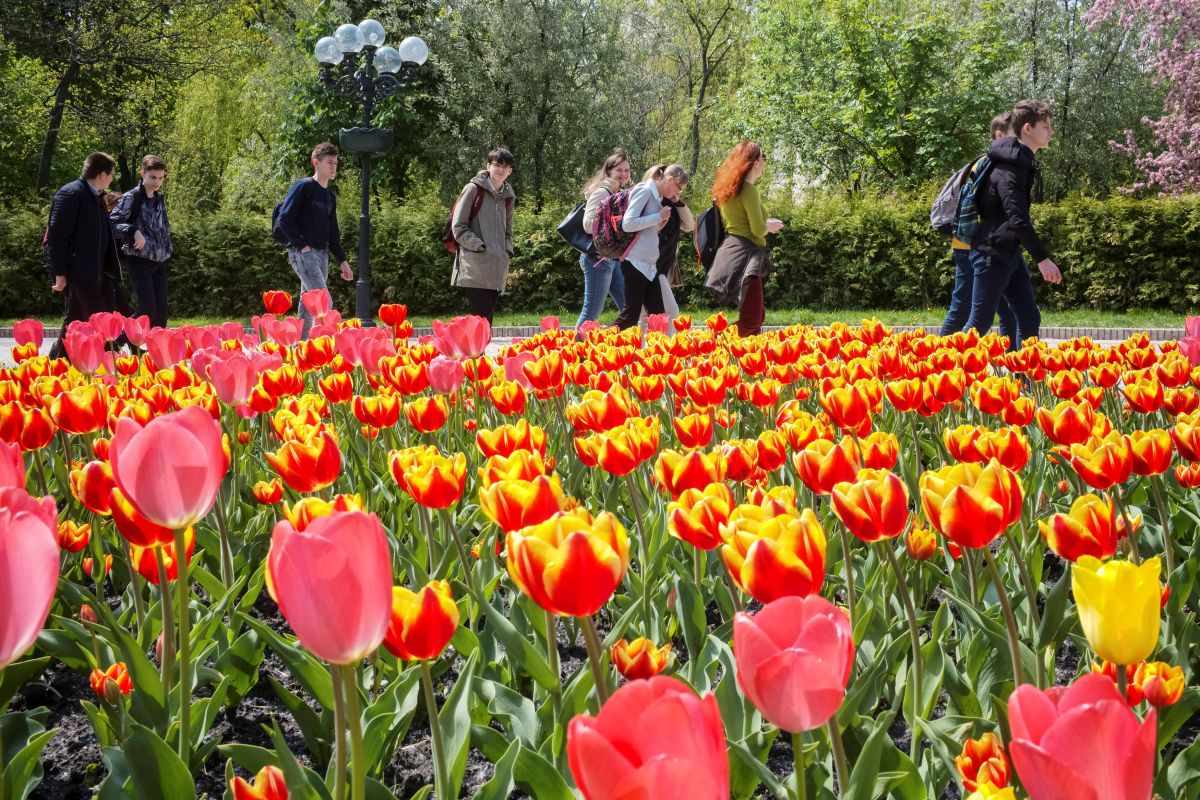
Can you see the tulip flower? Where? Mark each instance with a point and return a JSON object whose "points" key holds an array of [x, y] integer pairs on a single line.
{"points": [[446, 375], [1161, 684], [873, 508], [308, 466], [91, 485], [987, 791], [1103, 463], [677, 472], [794, 659], [848, 407], [506, 439], [277, 302], [693, 430], [571, 563], [773, 555], [971, 504], [117, 676], [268, 784], [1119, 607], [433, 480], [1089, 528], [422, 623], [333, 583], [88, 564], [28, 569], [145, 559], [983, 761], [522, 465], [307, 509], [920, 543], [639, 659], [171, 468], [28, 331], [1067, 423], [81, 410], [12, 466], [393, 314], [233, 378], [1133, 689], [697, 515], [133, 525], [515, 504], [824, 464], [653, 738], [378, 411], [462, 337], [73, 537], [268, 493], [1081, 742]]}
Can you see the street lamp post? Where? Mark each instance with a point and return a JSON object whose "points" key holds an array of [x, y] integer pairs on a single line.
{"points": [[368, 71]]}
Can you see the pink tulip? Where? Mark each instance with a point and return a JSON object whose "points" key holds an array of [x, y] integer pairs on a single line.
{"points": [[28, 569], [1191, 326], [317, 331], [28, 331], [794, 659], [230, 330], [374, 348], [588, 327], [657, 323], [172, 468], [317, 302], [283, 331], [107, 324], [1081, 742], [332, 318], [12, 466], [333, 583], [446, 375], [550, 323], [346, 342], [199, 338], [136, 329], [514, 368], [166, 346], [85, 347], [233, 377], [265, 361], [462, 337], [653, 738], [1190, 347]]}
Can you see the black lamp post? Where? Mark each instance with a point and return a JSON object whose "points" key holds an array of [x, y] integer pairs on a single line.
{"points": [[368, 71]]}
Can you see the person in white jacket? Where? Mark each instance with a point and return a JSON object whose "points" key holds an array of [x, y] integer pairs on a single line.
{"points": [[602, 276], [680, 221], [645, 216]]}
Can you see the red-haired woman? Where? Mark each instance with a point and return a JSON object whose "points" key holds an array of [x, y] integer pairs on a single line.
{"points": [[743, 260]]}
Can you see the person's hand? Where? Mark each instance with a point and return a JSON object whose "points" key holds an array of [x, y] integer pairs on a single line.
{"points": [[1050, 271], [664, 214], [347, 273], [774, 225], [139, 241], [305, 249], [60, 283]]}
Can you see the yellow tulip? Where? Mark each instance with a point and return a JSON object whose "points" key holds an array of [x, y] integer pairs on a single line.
{"points": [[1119, 607], [989, 792]]}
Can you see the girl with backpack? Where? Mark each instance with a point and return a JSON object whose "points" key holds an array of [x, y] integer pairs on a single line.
{"points": [[482, 226], [602, 276], [680, 221], [645, 216], [743, 260]]}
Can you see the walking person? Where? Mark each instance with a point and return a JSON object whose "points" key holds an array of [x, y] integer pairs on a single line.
{"points": [[645, 216], [1005, 227], [140, 219], [964, 273], [81, 247], [482, 225], [309, 225], [743, 260], [680, 221], [602, 276]]}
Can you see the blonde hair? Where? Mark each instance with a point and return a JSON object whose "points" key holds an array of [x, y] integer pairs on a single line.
{"points": [[673, 171]]}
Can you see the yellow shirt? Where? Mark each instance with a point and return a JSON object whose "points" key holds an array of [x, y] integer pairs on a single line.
{"points": [[744, 216]]}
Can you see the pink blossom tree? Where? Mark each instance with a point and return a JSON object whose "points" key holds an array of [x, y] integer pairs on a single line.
{"points": [[1170, 45]]}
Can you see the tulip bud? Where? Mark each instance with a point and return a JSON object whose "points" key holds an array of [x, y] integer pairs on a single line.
{"points": [[243, 437], [920, 543], [88, 614], [158, 648]]}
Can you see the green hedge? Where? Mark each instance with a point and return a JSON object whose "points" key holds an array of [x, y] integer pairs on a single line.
{"points": [[834, 253]]}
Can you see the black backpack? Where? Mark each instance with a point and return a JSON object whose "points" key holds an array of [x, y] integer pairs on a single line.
{"points": [[710, 232], [135, 214], [276, 229]]}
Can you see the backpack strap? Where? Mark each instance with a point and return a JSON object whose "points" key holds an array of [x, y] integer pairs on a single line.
{"points": [[476, 202]]}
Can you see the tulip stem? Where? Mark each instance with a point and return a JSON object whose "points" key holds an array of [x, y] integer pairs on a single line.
{"points": [[1122, 681], [185, 647], [643, 551], [1134, 555], [441, 781], [595, 657], [1035, 619], [552, 659], [135, 586], [168, 618], [798, 762], [339, 732], [698, 569], [916, 487], [914, 635], [847, 558], [1168, 550], [430, 539], [358, 764], [733, 589], [227, 572], [1010, 622], [840, 766], [472, 580]]}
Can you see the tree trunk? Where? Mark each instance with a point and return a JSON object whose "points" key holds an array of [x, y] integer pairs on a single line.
{"points": [[697, 109], [56, 115]]}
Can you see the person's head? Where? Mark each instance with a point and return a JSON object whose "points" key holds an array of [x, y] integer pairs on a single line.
{"points": [[500, 164], [153, 170], [616, 168], [98, 168], [1002, 125], [1031, 123], [745, 162], [110, 200], [325, 161], [669, 179]]}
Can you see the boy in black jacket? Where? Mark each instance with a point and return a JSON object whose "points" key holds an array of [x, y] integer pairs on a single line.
{"points": [[1005, 227]]}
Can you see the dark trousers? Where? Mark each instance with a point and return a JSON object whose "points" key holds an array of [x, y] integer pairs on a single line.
{"points": [[482, 302], [84, 298], [995, 280], [149, 280], [639, 291], [960, 300], [752, 310]]}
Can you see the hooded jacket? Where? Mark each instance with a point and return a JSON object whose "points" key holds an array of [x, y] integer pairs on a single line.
{"points": [[1004, 206], [485, 241]]}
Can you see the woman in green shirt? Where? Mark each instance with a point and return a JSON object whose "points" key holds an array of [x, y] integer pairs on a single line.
{"points": [[743, 260]]}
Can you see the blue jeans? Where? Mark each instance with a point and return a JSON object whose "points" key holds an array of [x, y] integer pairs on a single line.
{"points": [[1009, 281], [312, 268], [960, 300], [601, 278], [149, 281]]}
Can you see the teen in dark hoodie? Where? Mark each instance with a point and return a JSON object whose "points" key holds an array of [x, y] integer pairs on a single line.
{"points": [[1005, 227]]}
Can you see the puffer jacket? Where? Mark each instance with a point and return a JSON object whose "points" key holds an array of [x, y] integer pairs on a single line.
{"points": [[484, 242], [1005, 225]]}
